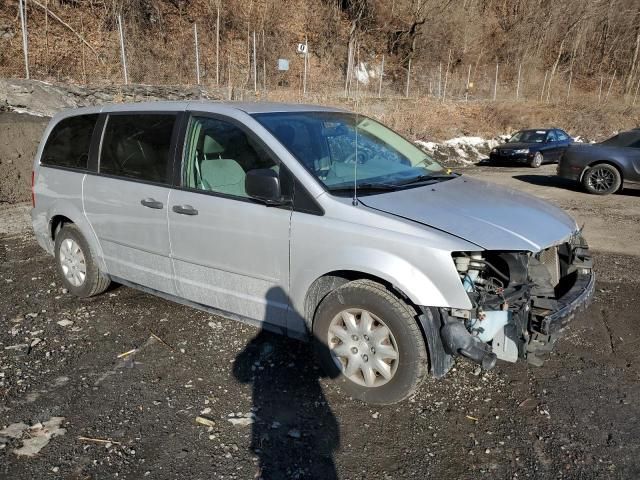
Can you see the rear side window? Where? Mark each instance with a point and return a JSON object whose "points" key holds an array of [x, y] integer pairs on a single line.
{"points": [[69, 142], [137, 146]]}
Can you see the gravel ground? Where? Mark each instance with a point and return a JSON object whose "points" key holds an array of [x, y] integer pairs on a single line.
{"points": [[270, 411]]}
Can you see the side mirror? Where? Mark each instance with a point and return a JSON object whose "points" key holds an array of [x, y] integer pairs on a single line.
{"points": [[264, 184]]}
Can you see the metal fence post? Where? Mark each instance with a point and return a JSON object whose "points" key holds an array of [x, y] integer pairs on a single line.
{"points": [[406, 93], [122, 53], [195, 40], [25, 47], [495, 85], [381, 75]]}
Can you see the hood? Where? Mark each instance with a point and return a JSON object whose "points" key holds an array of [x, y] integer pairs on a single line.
{"points": [[492, 217]]}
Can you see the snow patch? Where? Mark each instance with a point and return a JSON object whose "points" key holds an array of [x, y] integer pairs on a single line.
{"points": [[460, 150]]}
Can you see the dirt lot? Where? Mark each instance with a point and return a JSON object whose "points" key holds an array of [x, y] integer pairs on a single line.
{"points": [[576, 417]]}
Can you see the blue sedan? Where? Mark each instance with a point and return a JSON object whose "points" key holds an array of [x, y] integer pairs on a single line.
{"points": [[532, 147]]}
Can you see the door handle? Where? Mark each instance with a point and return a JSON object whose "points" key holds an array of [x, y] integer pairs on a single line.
{"points": [[151, 203], [185, 210]]}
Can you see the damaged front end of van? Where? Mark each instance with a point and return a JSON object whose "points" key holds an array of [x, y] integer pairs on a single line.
{"points": [[521, 303]]}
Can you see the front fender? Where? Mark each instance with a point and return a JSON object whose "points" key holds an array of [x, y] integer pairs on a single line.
{"points": [[423, 286]]}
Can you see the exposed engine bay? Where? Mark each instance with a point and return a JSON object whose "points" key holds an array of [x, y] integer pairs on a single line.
{"points": [[521, 301]]}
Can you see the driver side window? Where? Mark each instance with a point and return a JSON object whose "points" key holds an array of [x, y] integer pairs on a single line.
{"points": [[218, 155], [551, 136]]}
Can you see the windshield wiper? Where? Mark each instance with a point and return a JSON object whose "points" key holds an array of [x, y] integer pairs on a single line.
{"points": [[365, 187], [430, 178]]}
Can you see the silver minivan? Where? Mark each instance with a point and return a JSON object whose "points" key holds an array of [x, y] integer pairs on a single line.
{"points": [[312, 222]]}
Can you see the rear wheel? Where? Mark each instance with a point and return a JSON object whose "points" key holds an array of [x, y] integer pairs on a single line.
{"points": [[537, 159], [602, 179], [76, 265], [369, 339]]}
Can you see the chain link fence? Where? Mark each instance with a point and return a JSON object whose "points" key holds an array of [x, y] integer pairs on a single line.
{"points": [[55, 42]]}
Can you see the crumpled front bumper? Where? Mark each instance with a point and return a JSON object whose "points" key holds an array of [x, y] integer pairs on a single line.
{"points": [[576, 299]]}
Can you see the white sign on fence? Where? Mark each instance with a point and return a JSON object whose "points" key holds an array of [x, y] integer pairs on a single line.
{"points": [[283, 64]]}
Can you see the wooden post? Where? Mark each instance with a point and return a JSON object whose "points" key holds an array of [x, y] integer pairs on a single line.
{"points": [[25, 46], [406, 93], [569, 88], [195, 41], [123, 56], [518, 84], [218, 44], [381, 75]]}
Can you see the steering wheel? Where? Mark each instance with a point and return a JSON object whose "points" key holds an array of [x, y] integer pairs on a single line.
{"points": [[360, 157]]}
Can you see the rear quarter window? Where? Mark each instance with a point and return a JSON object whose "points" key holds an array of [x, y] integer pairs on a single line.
{"points": [[69, 142]]}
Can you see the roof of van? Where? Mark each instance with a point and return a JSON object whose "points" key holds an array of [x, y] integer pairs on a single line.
{"points": [[202, 105]]}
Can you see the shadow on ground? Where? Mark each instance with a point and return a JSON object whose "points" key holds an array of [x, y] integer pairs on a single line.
{"points": [[295, 431]]}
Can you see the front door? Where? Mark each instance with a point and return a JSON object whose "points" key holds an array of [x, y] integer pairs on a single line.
{"points": [[126, 202], [229, 252]]}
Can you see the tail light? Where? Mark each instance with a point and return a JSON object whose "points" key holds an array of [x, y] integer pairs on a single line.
{"points": [[33, 190]]}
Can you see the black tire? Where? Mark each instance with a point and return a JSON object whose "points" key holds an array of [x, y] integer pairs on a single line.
{"points": [[537, 160], [399, 318], [602, 179], [95, 281]]}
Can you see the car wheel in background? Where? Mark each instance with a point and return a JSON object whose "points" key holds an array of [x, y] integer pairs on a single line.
{"points": [[76, 265], [602, 179], [537, 159], [369, 340]]}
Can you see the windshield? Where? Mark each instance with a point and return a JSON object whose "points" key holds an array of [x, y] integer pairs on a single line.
{"points": [[339, 147], [624, 139], [529, 136]]}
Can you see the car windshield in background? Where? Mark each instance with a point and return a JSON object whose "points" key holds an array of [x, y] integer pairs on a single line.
{"points": [[624, 139], [338, 148], [529, 136]]}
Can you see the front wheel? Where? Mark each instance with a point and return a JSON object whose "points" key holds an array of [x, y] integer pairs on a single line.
{"points": [[602, 179], [369, 339], [537, 159]]}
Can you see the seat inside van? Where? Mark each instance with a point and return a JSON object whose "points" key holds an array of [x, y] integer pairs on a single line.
{"points": [[224, 175]]}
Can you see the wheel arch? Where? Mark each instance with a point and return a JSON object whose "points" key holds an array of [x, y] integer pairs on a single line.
{"points": [[67, 213], [599, 162], [427, 318]]}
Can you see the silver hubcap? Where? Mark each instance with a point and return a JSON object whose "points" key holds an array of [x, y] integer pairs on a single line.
{"points": [[601, 179], [537, 160], [363, 347], [74, 267]]}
